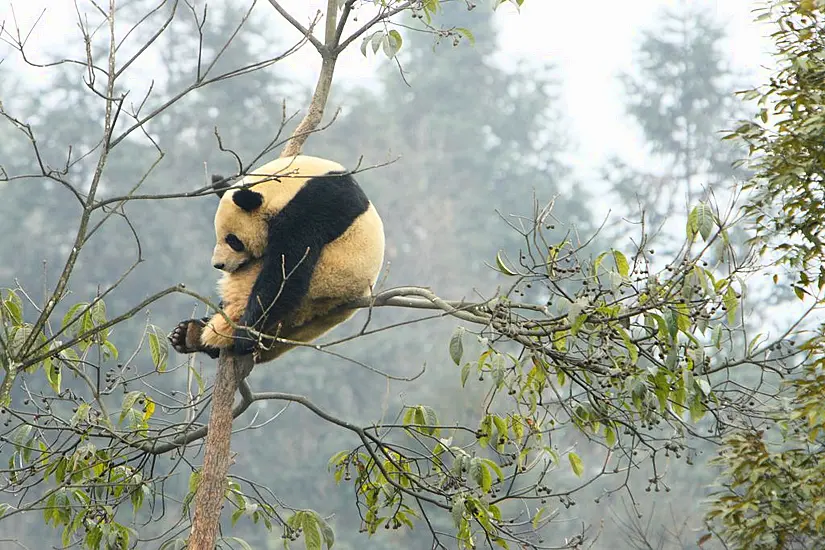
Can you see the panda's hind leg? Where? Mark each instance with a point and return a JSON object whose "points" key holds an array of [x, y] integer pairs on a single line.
{"points": [[307, 332], [186, 338]]}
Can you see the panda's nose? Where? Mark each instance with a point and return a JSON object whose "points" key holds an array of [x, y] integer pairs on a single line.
{"points": [[220, 265]]}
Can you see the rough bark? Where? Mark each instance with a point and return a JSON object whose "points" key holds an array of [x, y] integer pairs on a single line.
{"points": [[212, 486]]}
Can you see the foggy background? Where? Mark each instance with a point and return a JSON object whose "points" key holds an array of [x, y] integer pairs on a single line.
{"points": [[537, 106]]}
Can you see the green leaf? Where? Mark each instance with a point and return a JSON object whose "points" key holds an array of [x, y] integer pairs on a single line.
{"points": [[576, 464], [697, 409], [19, 336], [621, 263], [597, 263], [610, 436], [20, 436], [486, 427], [67, 319], [537, 518], [632, 350], [158, 348], [517, 427], [129, 401], [138, 495], [499, 371], [456, 345], [465, 373], [110, 348], [700, 220], [672, 323], [312, 532], [682, 316], [54, 376], [376, 40], [731, 303], [577, 324], [326, 531], [480, 474], [149, 409], [14, 308], [236, 515], [457, 511], [98, 316], [392, 43], [466, 34], [429, 419], [659, 321], [502, 266], [495, 467], [501, 429], [81, 415]]}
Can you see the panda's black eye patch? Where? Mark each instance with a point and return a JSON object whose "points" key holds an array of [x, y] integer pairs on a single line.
{"points": [[234, 242]]}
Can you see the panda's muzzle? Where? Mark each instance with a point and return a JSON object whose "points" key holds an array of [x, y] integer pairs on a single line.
{"points": [[223, 267]]}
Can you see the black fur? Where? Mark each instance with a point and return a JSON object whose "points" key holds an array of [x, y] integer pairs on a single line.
{"points": [[320, 212], [220, 184], [248, 200]]}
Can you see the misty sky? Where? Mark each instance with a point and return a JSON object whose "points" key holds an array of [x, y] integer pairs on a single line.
{"points": [[590, 42]]}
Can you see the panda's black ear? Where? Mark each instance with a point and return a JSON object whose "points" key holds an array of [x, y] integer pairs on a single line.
{"points": [[220, 184], [247, 199]]}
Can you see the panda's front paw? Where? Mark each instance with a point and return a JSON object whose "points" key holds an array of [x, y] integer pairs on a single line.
{"points": [[186, 337], [245, 342]]}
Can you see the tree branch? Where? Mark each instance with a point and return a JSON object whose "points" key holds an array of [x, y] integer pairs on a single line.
{"points": [[110, 118], [294, 22], [212, 482], [315, 112], [369, 24]]}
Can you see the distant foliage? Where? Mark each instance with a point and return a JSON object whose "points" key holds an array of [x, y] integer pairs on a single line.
{"points": [[787, 143], [772, 487], [680, 95]]}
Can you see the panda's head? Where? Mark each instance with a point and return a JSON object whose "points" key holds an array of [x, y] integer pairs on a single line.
{"points": [[240, 227], [241, 222]]}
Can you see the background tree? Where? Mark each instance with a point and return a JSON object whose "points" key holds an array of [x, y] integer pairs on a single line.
{"points": [[771, 490], [680, 95], [577, 375]]}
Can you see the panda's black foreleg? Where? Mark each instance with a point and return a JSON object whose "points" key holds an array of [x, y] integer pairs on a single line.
{"points": [[280, 287], [186, 338]]}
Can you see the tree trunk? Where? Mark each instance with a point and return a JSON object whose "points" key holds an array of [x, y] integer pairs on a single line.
{"points": [[212, 485]]}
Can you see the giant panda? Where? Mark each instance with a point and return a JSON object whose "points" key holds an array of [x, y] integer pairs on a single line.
{"points": [[296, 239]]}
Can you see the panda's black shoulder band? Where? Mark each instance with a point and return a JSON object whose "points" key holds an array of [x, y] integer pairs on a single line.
{"points": [[325, 206], [320, 212]]}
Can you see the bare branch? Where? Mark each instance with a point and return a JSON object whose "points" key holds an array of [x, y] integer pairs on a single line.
{"points": [[108, 127], [212, 479], [307, 32], [316, 109]]}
